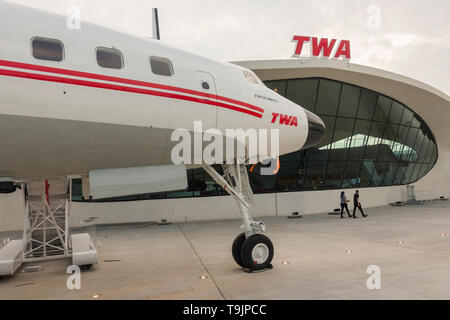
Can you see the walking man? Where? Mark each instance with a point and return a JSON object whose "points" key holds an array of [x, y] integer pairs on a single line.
{"points": [[357, 204], [344, 205]]}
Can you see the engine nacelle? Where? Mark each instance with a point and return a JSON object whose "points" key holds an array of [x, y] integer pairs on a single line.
{"points": [[108, 183]]}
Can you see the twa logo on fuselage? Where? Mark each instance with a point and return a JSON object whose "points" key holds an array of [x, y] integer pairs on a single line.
{"points": [[285, 119]]}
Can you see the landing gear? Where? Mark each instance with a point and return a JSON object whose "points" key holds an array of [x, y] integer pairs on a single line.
{"points": [[7, 185], [254, 252], [251, 249], [85, 267], [237, 247], [257, 252]]}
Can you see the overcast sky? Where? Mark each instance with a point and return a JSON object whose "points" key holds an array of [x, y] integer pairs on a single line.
{"points": [[409, 37]]}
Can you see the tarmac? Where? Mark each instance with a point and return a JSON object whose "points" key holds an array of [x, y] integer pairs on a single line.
{"points": [[316, 257]]}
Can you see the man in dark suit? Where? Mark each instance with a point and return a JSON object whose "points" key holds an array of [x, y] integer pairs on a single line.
{"points": [[357, 204]]}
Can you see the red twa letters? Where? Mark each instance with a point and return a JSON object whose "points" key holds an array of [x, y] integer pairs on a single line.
{"points": [[323, 47], [285, 119]]}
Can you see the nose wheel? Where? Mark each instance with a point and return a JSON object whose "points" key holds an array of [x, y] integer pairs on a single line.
{"points": [[236, 249], [251, 249], [254, 252]]}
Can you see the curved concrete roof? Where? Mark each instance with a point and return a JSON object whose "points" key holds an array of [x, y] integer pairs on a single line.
{"points": [[431, 104]]}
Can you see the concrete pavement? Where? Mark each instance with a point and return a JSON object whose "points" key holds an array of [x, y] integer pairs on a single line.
{"points": [[327, 259]]}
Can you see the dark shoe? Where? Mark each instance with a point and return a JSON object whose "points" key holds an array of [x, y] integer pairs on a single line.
{"points": [[354, 217], [349, 216], [365, 215]]}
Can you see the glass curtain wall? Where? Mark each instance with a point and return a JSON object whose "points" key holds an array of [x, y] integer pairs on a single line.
{"points": [[372, 140]]}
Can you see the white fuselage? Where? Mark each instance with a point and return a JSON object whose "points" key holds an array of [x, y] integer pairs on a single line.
{"points": [[72, 116]]}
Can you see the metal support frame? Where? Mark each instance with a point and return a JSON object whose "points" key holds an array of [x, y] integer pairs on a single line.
{"points": [[46, 225], [46, 228], [235, 182]]}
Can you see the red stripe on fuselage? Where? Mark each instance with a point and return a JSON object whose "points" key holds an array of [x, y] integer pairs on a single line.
{"points": [[124, 81], [37, 76]]}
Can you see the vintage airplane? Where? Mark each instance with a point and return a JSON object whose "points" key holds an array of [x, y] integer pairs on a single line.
{"points": [[101, 105]]}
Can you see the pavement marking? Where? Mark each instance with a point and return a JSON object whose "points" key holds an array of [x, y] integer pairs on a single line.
{"points": [[24, 284], [198, 257]]}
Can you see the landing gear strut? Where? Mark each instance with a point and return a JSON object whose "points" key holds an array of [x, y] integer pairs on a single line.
{"points": [[251, 249]]}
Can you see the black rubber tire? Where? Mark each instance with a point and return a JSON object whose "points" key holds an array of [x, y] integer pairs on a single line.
{"points": [[246, 251], [86, 267], [7, 187], [236, 249]]}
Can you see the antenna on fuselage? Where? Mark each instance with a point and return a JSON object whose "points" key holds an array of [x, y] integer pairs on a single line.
{"points": [[155, 24]]}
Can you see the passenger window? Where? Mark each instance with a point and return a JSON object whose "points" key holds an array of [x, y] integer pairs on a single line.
{"points": [[109, 58], [161, 66], [47, 49]]}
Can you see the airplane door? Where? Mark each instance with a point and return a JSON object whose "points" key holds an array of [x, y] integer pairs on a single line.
{"points": [[205, 82]]}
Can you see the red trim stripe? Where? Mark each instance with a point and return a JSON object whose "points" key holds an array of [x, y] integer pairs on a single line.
{"points": [[94, 84], [124, 81]]}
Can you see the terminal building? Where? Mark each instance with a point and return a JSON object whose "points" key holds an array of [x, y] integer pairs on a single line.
{"points": [[385, 132]]}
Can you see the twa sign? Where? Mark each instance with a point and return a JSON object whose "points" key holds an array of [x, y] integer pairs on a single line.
{"points": [[323, 47]]}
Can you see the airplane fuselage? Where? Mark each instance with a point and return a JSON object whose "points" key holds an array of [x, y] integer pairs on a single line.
{"points": [[67, 117]]}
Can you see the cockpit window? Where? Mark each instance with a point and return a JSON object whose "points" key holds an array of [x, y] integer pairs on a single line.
{"points": [[251, 77]]}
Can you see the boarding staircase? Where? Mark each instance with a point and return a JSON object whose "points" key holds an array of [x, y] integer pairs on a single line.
{"points": [[46, 229]]}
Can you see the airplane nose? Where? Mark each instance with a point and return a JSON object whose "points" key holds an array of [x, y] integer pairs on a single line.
{"points": [[316, 130]]}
